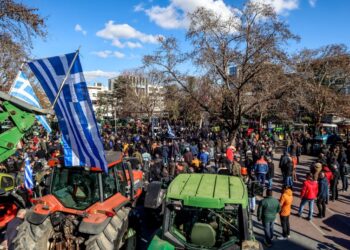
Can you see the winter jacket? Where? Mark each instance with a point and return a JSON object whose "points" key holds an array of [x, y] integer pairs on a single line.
{"points": [[284, 161], [328, 173], [204, 157], [188, 157], [268, 208], [322, 188], [286, 202], [236, 169], [309, 190], [271, 171], [261, 166], [229, 154]]}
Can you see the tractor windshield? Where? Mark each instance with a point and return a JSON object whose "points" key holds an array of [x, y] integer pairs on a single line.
{"points": [[75, 187], [206, 228]]}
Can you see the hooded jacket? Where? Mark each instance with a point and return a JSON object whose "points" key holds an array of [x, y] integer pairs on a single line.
{"points": [[328, 173], [286, 202], [268, 208], [309, 190]]}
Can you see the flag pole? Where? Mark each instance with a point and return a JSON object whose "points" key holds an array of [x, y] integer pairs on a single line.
{"points": [[65, 78], [20, 70]]}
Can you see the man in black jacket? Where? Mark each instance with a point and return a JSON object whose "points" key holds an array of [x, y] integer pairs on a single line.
{"points": [[286, 166]]}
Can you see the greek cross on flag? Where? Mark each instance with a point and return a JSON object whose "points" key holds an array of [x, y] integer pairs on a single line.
{"points": [[28, 174], [82, 142], [24, 91]]}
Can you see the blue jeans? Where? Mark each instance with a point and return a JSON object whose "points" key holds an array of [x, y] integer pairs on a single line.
{"points": [[269, 183], [165, 160], [261, 178], [288, 181], [268, 230], [311, 207]]}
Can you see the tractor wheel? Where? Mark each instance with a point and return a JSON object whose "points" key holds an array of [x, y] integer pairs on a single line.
{"points": [[33, 236], [114, 235]]}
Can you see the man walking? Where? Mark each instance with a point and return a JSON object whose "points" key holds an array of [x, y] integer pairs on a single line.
{"points": [[267, 210], [322, 196], [308, 195], [261, 168], [286, 202]]}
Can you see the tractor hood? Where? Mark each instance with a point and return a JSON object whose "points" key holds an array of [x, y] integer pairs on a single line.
{"points": [[208, 190]]}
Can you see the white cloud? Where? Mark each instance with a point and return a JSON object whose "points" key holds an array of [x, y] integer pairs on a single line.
{"points": [[108, 53], [139, 7], [118, 54], [78, 28], [133, 45], [312, 3], [116, 32], [281, 6], [92, 75], [174, 15]]}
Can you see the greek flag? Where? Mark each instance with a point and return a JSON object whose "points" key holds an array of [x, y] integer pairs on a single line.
{"points": [[24, 91], [170, 132], [82, 142], [28, 174]]}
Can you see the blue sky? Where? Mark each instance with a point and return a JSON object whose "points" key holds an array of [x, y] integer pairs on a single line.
{"points": [[115, 34]]}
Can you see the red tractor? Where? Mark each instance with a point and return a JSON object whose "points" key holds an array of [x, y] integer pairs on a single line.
{"points": [[86, 209]]}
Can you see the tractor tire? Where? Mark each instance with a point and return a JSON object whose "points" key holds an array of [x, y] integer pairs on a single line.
{"points": [[33, 236], [113, 236]]}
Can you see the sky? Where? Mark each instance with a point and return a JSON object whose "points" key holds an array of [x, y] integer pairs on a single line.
{"points": [[113, 35]]}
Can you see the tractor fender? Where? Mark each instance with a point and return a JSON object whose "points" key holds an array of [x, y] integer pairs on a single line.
{"points": [[155, 195], [97, 228], [36, 219], [93, 228]]}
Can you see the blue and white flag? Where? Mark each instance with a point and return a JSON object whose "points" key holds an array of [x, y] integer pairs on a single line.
{"points": [[24, 91], [28, 174], [170, 132], [82, 142]]}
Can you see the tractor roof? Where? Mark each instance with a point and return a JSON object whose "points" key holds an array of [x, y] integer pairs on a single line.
{"points": [[208, 190]]}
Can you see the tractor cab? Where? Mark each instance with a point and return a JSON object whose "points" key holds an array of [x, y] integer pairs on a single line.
{"points": [[79, 188], [206, 211], [83, 205]]}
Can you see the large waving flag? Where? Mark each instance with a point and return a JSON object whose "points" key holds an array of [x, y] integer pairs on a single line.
{"points": [[24, 91], [28, 174], [81, 139]]}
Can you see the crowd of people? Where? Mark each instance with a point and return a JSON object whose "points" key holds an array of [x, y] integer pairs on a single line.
{"points": [[189, 149]]}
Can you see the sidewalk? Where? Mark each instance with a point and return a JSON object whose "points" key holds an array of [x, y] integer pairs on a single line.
{"points": [[332, 232]]}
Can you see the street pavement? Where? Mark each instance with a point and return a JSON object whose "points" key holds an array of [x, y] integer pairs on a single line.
{"points": [[331, 232]]}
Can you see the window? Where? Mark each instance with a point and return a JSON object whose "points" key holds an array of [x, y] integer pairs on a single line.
{"points": [[6, 182], [109, 184], [75, 187]]}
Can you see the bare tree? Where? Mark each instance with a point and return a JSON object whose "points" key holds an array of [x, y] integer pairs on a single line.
{"points": [[18, 25], [253, 38], [323, 74]]}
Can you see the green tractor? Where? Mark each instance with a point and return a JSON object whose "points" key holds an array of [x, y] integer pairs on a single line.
{"points": [[205, 211]]}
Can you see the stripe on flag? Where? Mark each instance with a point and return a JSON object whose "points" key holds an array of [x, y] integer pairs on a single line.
{"points": [[28, 174], [170, 132], [24, 91], [82, 142]]}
